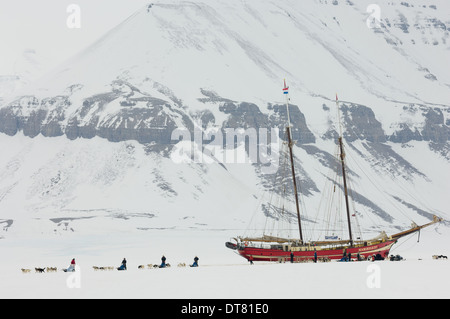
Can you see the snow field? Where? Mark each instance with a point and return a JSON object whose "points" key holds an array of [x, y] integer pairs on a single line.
{"points": [[384, 279], [222, 274]]}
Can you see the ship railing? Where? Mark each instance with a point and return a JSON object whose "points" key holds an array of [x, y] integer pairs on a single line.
{"points": [[295, 246]]}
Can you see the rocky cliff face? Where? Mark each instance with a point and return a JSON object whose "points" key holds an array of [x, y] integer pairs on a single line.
{"points": [[147, 119]]}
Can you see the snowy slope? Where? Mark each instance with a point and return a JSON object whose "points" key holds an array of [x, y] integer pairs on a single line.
{"points": [[68, 186], [243, 50], [90, 144], [91, 186], [28, 67]]}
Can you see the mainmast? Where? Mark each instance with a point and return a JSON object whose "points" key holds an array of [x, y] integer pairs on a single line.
{"points": [[290, 143], [342, 156]]}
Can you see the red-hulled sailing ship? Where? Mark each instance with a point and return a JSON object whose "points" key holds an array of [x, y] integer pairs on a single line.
{"points": [[271, 248]]}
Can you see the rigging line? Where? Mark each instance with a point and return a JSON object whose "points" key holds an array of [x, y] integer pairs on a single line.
{"points": [[416, 197], [302, 201], [268, 209], [283, 197], [332, 211], [395, 247], [358, 227], [338, 116], [340, 210], [256, 211], [336, 206], [333, 203], [351, 194], [372, 181], [324, 200], [321, 199], [357, 195], [273, 193], [335, 199], [378, 188], [330, 215], [279, 197], [364, 213]]}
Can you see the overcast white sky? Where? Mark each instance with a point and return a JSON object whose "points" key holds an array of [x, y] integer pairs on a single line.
{"points": [[42, 25]]}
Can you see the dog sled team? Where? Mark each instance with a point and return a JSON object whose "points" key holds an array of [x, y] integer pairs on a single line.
{"points": [[123, 266], [71, 268], [40, 270], [164, 264]]}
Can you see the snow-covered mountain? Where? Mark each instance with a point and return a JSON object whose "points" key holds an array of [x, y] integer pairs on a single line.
{"points": [[28, 67], [92, 143]]}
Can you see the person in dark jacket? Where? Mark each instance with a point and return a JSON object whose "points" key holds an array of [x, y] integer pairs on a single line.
{"points": [[163, 262], [123, 266], [195, 264], [315, 255]]}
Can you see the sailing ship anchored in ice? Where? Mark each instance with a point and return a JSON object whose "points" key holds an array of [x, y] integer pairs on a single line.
{"points": [[273, 248]]}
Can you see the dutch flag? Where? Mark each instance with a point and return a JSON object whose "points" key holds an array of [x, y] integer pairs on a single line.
{"points": [[286, 88]]}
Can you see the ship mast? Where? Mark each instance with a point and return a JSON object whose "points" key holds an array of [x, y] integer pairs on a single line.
{"points": [[290, 143], [342, 156]]}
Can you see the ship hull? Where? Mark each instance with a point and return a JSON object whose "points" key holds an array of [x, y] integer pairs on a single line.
{"points": [[337, 253]]}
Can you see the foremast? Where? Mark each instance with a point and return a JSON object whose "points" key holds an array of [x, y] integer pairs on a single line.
{"points": [[291, 155]]}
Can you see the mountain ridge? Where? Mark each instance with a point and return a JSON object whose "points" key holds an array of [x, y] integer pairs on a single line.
{"points": [[219, 66]]}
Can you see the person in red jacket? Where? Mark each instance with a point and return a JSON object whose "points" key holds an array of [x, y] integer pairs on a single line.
{"points": [[72, 265]]}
